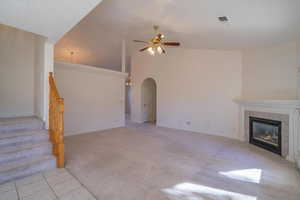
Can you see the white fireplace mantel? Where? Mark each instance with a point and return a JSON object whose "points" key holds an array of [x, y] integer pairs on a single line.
{"points": [[287, 107], [285, 104]]}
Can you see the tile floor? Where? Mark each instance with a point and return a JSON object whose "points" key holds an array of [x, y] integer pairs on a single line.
{"points": [[56, 184], [143, 162]]}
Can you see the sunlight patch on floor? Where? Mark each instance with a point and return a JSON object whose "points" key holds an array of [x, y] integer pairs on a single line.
{"points": [[248, 175], [190, 191]]}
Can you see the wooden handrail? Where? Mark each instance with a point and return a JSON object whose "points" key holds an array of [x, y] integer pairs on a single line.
{"points": [[56, 123]]}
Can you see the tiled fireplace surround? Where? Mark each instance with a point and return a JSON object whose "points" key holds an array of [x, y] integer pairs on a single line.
{"points": [[284, 119], [286, 111]]}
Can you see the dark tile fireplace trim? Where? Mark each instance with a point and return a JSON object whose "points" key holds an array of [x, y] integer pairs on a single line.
{"points": [[265, 145]]}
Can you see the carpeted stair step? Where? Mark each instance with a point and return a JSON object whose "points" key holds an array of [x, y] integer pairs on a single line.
{"points": [[8, 125], [21, 138], [25, 151], [25, 148], [25, 168]]}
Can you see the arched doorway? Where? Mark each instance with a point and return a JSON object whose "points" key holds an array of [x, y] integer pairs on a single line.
{"points": [[149, 100]]}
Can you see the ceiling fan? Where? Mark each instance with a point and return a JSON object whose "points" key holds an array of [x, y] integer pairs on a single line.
{"points": [[156, 44]]}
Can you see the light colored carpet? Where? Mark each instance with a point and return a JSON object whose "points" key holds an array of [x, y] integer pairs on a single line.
{"points": [[143, 162]]}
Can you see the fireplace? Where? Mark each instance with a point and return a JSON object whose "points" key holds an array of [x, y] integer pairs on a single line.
{"points": [[265, 133]]}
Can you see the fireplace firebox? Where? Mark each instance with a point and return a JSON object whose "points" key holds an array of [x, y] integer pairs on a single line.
{"points": [[265, 133]]}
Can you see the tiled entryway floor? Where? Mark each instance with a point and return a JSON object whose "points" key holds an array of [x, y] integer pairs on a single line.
{"points": [[144, 162], [57, 184]]}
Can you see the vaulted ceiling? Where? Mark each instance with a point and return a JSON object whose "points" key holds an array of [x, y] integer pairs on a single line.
{"points": [[96, 40], [51, 19]]}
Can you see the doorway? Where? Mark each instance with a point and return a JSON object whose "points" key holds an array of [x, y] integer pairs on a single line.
{"points": [[149, 100]]}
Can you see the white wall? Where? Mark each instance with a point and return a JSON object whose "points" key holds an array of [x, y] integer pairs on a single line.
{"points": [[94, 97], [271, 72], [17, 60], [196, 86]]}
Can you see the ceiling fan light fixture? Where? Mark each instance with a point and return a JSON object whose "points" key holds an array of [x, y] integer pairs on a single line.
{"points": [[159, 50], [156, 44], [151, 51]]}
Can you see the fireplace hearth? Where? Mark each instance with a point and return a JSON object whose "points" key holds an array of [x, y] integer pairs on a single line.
{"points": [[265, 133]]}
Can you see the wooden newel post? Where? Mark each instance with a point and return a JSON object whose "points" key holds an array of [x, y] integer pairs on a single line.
{"points": [[50, 108], [60, 136], [56, 123]]}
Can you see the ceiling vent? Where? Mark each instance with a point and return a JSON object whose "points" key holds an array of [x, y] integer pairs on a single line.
{"points": [[223, 19]]}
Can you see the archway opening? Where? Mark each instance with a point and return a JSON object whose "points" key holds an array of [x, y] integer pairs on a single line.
{"points": [[149, 103]]}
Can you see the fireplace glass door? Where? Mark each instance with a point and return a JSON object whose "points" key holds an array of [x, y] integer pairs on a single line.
{"points": [[266, 134]]}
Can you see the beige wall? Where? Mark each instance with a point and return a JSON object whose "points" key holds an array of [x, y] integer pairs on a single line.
{"points": [[271, 72], [22, 73], [195, 89], [94, 97], [298, 65], [39, 70], [17, 60]]}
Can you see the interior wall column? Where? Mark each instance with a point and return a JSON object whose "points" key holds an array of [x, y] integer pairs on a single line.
{"points": [[49, 67], [123, 56]]}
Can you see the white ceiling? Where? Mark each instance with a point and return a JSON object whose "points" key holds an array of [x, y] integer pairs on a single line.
{"points": [[192, 22], [50, 18]]}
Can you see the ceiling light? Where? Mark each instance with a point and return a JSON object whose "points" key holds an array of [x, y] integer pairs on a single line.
{"points": [[72, 55], [159, 50], [128, 81], [151, 51]]}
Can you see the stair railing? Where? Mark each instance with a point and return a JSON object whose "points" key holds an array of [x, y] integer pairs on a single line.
{"points": [[56, 123]]}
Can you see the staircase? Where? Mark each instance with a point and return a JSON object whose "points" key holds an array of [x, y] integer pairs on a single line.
{"points": [[25, 148]]}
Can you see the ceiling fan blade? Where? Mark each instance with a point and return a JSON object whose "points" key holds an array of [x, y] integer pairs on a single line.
{"points": [[140, 41], [143, 49], [163, 50], [171, 43]]}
